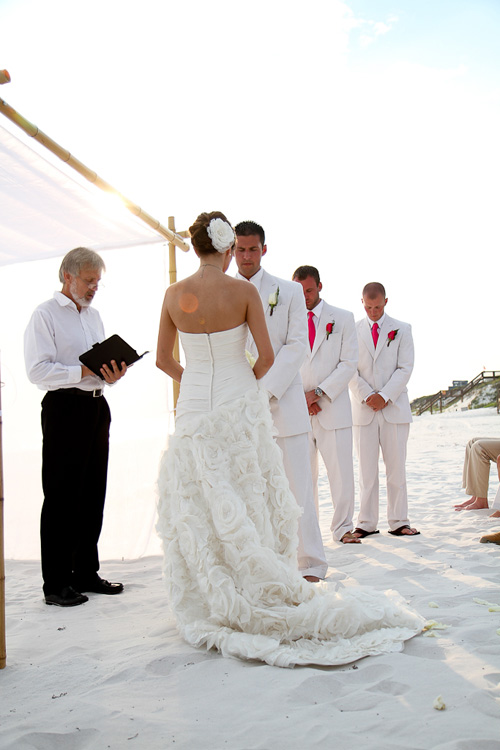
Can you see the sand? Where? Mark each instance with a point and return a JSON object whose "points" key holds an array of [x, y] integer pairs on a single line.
{"points": [[114, 673]]}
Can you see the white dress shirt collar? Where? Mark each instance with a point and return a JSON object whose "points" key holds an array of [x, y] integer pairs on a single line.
{"points": [[317, 313], [63, 300], [256, 279], [378, 322]]}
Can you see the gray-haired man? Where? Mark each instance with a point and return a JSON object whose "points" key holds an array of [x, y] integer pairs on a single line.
{"points": [[75, 427]]}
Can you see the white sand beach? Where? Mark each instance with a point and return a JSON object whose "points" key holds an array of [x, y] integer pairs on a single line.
{"points": [[114, 673]]}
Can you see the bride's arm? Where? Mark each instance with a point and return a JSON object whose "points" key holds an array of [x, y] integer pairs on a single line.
{"points": [[166, 339], [258, 328]]}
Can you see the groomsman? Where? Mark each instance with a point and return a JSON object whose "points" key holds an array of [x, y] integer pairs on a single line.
{"points": [[381, 412], [285, 312], [331, 362]]}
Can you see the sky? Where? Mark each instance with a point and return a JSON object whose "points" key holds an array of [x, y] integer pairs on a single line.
{"points": [[363, 136]]}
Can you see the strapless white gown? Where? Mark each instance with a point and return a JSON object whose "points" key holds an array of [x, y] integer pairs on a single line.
{"points": [[229, 528]]}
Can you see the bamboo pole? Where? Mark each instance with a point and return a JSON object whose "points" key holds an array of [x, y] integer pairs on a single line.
{"points": [[3, 651], [90, 175], [172, 270]]}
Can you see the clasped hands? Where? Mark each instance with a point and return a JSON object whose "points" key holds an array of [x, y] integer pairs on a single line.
{"points": [[312, 403], [376, 402], [110, 374]]}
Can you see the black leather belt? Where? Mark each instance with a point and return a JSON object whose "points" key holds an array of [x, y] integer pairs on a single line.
{"points": [[79, 392]]}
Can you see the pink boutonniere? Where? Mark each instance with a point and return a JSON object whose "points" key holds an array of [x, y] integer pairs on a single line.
{"points": [[392, 335], [329, 328]]}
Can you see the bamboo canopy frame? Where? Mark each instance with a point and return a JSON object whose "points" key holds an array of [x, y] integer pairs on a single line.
{"points": [[175, 239], [90, 175]]}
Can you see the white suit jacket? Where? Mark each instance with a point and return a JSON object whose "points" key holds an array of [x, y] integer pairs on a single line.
{"points": [[287, 328], [386, 368], [330, 366]]}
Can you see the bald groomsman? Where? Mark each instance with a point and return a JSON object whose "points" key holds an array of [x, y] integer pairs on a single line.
{"points": [[381, 412]]}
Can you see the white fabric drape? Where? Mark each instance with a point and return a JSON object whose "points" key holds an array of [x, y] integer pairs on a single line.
{"points": [[45, 210]]}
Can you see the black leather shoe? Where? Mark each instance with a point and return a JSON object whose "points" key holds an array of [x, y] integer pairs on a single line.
{"points": [[67, 597], [100, 586]]}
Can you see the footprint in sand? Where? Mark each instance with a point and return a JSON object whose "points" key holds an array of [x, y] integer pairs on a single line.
{"points": [[390, 687], [78, 740], [486, 703], [493, 677], [320, 690], [371, 673], [173, 663]]}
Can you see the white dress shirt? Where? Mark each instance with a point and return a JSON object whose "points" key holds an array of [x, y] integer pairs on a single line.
{"points": [[55, 337], [316, 311], [378, 323]]}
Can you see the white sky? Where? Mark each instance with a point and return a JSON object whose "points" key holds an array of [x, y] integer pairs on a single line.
{"points": [[363, 135]]}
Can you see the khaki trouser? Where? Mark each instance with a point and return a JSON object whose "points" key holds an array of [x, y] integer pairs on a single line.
{"points": [[478, 454]]}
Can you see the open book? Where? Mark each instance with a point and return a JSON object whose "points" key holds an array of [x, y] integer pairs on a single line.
{"points": [[113, 348]]}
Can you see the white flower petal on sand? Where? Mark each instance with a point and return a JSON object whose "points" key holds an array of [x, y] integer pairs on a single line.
{"points": [[484, 602], [439, 704], [433, 625], [498, 631], [494, 608], [431, 634], [433, 604]]}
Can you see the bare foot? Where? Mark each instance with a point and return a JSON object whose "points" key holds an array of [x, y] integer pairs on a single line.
{"points": [[495, 514], [350, 538], [409, 532], [480, 503], [493, 538], [312, 579], [466, 503]]}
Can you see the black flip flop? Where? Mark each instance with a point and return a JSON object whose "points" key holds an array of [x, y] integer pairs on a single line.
{"points": [[399, 532], [362, 533]]}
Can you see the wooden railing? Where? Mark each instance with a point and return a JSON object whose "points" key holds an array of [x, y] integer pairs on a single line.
{"points": [[452, 395]]}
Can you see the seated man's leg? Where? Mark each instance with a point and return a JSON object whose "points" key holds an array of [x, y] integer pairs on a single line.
{"points": [[482, 452]]}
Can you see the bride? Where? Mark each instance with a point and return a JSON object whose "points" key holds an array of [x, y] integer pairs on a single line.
{"points": [[227, 518]]}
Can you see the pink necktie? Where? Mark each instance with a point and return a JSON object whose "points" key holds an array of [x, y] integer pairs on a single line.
{"points": [[312, 328], [375, 334]]}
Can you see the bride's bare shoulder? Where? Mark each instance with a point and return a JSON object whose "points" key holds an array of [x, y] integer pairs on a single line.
{"points": [[241, 284]]}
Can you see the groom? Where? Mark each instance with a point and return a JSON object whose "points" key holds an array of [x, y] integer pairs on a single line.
{"points": [[285, 312]]}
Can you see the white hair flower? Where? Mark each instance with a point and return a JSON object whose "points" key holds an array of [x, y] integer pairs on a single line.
{"points": [[221, 234]]}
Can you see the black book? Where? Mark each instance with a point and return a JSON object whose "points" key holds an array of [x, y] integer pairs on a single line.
{"points": [[113, 348]]}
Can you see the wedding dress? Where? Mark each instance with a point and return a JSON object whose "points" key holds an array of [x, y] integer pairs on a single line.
{"points": [[229, 528]]}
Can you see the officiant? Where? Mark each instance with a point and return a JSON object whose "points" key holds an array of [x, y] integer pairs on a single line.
{"points": [[75, 429]]}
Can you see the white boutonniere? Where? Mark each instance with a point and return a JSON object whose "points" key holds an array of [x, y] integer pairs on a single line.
{"points": [[273, 299]]}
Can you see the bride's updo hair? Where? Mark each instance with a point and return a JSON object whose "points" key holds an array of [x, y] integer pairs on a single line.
{"points": [[199, 235]]}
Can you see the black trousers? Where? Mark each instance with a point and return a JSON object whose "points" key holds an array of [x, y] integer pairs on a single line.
{"points": [[75, 451]]}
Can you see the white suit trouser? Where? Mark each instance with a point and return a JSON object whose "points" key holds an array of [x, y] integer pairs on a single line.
{"points": [[392, 438], [335, 447], [311, 555]]}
